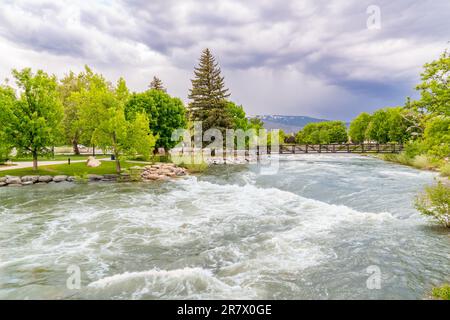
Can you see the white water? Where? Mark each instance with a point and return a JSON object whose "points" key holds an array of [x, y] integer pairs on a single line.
{"points": [[309, 231]]}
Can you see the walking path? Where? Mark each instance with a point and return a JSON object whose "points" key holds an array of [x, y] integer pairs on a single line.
{"points": [[29, 164]]}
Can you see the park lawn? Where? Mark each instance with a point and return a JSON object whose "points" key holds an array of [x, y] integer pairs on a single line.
{"points": [[58, 157], [74, 169]]}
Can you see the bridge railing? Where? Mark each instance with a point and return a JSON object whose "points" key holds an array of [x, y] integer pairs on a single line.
{"points": [[341, 148]]}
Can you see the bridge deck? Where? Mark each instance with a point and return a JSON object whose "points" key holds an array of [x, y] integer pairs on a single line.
{"points": [[341, 148]]}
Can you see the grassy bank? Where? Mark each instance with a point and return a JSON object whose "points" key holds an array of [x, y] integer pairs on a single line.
{"points": [[422, 162], [74, 169]]}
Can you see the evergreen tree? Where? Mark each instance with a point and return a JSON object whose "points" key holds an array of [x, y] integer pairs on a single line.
{"points": [[157, 84], [208, 95]]}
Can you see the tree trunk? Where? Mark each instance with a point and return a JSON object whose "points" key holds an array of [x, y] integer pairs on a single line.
{"points": [[35, 160], [93, 150], [76, 150], [116, 153], [118, 169]]}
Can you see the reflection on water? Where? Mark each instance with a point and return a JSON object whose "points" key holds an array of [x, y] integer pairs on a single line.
{"points": [[310, 231]]}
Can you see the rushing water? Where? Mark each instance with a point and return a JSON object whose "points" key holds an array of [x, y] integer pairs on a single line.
{"points": [[309, 231]]}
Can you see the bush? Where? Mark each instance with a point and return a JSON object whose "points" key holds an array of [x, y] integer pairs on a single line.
{"points": [[442, 292], [445, 170], [401, 158], [414, 148], [435, 202], [422, 162], [193, 163]]}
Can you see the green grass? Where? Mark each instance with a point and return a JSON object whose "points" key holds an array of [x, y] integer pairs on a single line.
{"points": [[75, 169], [442, 292], [59, 157]]}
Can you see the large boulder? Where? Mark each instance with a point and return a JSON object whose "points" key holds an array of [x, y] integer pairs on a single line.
{"points": [[45, 179], [2, 179], [92, 162], [27, 183], [33, 179], [13, 180], [2, 184], [60, 178]]}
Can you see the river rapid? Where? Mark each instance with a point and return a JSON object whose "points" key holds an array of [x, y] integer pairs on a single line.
{"points": [[321, 227]]}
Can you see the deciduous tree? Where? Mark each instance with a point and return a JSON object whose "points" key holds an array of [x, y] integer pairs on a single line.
{"points": [[35, 121], [165, 114]]}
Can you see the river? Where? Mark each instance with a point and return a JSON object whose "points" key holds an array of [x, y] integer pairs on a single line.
{"points": [[316, 229]]}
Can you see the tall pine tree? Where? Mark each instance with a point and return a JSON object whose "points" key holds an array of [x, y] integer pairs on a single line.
{"points": [[208, 94], [157, 84]]}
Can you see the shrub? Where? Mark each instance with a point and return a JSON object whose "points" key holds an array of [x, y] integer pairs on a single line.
{"points": [[422, 162], [445, 170], [401, 158], [414, 148], [442, 292], [435, 202], [82, 177], [194, 163]]}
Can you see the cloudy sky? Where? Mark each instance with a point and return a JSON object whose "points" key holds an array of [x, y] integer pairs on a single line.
{"points": [[304, 57]]}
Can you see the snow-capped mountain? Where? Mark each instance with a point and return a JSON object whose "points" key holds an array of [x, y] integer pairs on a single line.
{"points": [[289, 124]]}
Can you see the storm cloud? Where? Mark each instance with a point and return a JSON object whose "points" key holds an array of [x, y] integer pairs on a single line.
{"points": [[315, 58]]}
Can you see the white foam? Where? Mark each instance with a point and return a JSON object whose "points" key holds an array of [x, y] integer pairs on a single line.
{"points": [[193, 282]]}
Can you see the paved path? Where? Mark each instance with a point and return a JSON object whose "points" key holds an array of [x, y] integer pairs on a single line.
{"points": [[29, 164]]}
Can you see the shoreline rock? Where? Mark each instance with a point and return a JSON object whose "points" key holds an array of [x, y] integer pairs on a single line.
{"points": [[154, 172], [161, 171]]}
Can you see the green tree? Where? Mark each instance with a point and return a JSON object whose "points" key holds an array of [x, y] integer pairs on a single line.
{"points": [[388, 125], [358, 127], [398, 125], [157, 84], [7, 101], [323, 133], [35, 120], [435, 87], [70, 85], [208, 94], [164, 112], [140, 140], [237, 114], [436, 137], [378, 129], [115, 132], [88, 101], [256, 123]]}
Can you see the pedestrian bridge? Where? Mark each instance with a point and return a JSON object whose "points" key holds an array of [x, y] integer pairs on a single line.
{"points": [[340, 148]]}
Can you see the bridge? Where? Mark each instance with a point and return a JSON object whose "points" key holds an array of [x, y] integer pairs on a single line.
{"points": [[340, 148]]}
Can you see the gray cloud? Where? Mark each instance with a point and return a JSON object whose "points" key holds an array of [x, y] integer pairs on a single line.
{"points": [[295, 57]]}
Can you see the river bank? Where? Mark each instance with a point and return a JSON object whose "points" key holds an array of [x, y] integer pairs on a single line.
{"points": [[419, 162]]}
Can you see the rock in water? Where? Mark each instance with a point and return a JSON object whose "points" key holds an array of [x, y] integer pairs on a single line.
{"points": [[45, 179], [92, 162], [60, 178], [13, 180], [33, 179]]}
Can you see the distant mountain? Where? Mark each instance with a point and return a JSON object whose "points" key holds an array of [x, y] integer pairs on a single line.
{"points": [[289, 124]]}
